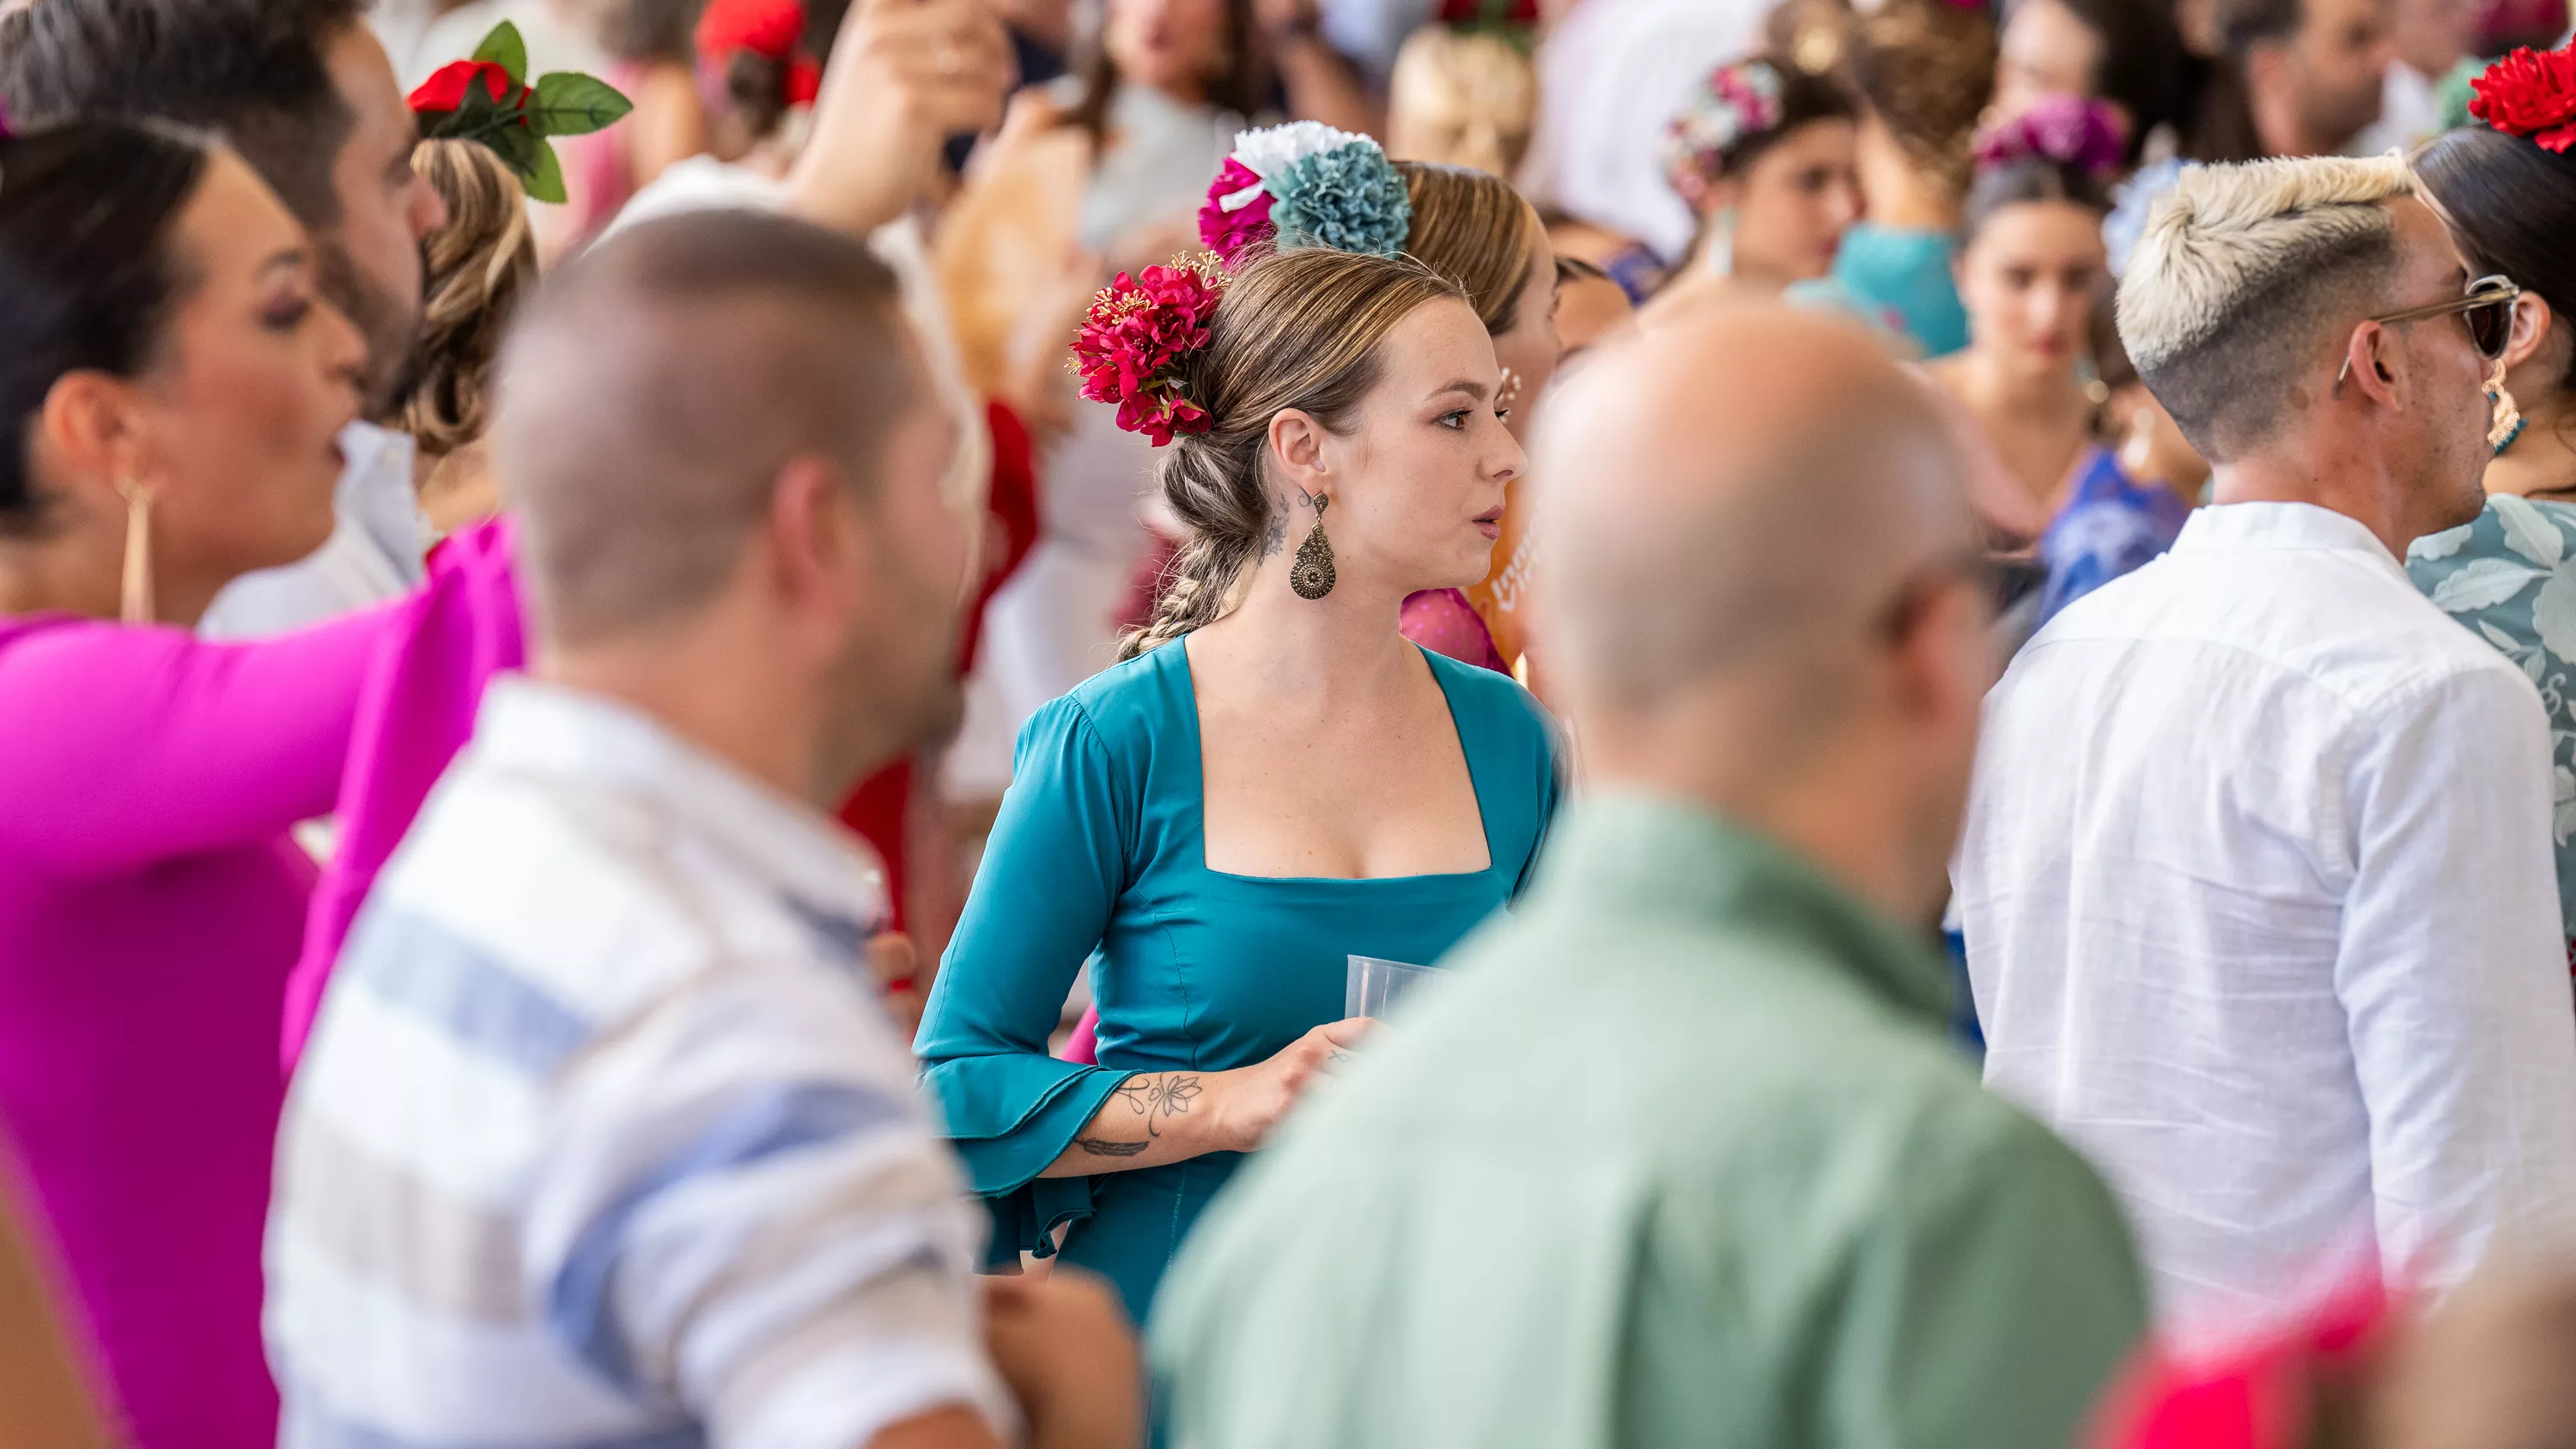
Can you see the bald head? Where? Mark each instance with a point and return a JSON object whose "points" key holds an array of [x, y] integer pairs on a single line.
{"points": [[654, 391], [1743, 489]]}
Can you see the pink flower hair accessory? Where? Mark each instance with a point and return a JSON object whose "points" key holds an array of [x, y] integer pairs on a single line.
{"points": [[1738, 101], [1136, 338], [2061, 130], [1230, 232]]}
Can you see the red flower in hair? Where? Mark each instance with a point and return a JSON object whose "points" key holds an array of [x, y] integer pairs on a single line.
{"points": [[1133, 341], [774, 30], [445, 90], [2530, 93]]}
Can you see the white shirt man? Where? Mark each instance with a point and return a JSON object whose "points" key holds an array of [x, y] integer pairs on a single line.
{"points": [[2291, 840], [2257, 881]]}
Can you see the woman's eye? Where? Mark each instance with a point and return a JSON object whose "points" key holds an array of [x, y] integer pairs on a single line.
{"points": [[1502, 415], [286, 313], [1455, 422]]}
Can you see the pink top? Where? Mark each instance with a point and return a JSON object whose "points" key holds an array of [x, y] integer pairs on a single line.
{"points": [[1442, 621], [151, 906]]}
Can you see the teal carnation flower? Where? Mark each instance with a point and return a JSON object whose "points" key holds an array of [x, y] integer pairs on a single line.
{"points": [[1348, 199]]}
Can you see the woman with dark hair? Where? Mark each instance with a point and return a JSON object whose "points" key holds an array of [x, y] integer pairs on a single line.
{"points": [[171, 386], [1765, 154], [2507, 190], [2032, 273], [2124, 53], [1923, 70]]}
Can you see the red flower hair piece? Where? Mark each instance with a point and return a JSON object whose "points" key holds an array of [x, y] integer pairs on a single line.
{"points": [[771, 29], [1135, 337], [2530, 93], [446, 87]]}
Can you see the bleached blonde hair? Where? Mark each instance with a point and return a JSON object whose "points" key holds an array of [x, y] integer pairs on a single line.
{"points": [[1461, 100], [2241, 270]]}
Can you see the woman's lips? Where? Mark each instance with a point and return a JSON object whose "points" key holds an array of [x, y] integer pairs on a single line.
{"points": [[1490, 525]]}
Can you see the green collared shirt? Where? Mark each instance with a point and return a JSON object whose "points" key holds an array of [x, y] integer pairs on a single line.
{"points": [[1680, 1156]]}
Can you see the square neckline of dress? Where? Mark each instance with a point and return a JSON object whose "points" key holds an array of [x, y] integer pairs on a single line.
{"points": [[1186, 682]]}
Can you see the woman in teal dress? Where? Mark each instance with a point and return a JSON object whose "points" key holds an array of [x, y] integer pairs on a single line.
{"points": [[1273, 782]]}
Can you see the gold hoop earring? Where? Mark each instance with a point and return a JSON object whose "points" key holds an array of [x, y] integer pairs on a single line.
{"points": [[135, 595], [1312, 574]]}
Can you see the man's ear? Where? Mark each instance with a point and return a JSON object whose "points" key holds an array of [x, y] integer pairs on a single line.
{"points": [[810, 532], [2369, 365]]}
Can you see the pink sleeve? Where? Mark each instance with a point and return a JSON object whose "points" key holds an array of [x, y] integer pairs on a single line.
{"points": [[124, 746], [414, 711]]}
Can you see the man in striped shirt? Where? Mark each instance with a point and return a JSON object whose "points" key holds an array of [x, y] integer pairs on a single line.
{"points": [[600, 1140]]}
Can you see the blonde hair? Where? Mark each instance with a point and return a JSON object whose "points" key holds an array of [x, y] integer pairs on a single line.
{"points": [[1300, 330], [1461, 100], [479, 266], [1473, 228], [2240, 269]]}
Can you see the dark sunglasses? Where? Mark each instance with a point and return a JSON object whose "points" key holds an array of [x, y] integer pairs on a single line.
{"points": [[2487, 309]]}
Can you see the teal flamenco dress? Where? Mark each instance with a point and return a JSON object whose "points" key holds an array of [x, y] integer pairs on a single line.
{"points": [[1099, 855]]}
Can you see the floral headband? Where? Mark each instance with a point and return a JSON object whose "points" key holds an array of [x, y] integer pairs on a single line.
{"points": [[2060, 130], [1305, 184], [485, 99], [1136, 338], [2531, 93], [1738, 100]]}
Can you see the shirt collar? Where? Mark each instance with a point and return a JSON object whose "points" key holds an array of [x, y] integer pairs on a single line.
{"points": [[2274, 527], [571, 737], [1631, 854]]}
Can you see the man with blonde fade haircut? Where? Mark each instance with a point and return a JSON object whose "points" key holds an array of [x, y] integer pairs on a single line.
{"points": [[1683, 1154], [2256, 882]]}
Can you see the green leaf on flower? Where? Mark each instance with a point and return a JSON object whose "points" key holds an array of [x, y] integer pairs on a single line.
{"points": [[568, 103], [506, 48], [546, 181]]}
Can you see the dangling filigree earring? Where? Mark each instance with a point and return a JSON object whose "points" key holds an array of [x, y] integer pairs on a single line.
{"points": [[135, 603], [2507, 422], [1312, 573], [1511, 391]]}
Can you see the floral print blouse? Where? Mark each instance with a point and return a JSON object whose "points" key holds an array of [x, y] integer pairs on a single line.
{"points": [[2510, 576]]}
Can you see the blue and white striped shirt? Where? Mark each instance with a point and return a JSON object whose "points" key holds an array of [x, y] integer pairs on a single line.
{"points": [[601, 1139]]}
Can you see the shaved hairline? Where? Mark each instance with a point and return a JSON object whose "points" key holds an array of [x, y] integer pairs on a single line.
{"points": [[642, 429]]}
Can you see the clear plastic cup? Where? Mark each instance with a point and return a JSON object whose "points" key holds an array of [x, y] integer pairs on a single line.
{"points": [[1376, 985]]}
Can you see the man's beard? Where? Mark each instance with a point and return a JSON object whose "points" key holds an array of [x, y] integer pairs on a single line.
{"points": [[389, 324]]}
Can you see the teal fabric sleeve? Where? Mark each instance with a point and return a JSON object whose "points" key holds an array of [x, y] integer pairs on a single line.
{"points": [[1052, 873]]}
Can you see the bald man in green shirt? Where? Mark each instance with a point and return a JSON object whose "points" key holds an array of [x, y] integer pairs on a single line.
{"points": [[1682, 1155]]}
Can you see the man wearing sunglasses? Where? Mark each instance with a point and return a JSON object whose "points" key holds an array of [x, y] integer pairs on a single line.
{"points": [[2257, 884]]}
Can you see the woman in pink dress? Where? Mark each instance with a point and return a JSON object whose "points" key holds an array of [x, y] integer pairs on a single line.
{"points": [[171, 385]]}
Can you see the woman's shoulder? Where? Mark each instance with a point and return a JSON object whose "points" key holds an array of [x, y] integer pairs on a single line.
{"points": [[1123, 706], [1490, 699]]}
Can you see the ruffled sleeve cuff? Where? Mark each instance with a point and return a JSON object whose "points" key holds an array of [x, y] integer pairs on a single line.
{"points": [[1009, 1117]]}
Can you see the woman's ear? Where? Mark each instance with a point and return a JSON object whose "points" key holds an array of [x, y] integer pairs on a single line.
{"points": [[1297, 448], [92, 428], [2532, 319]]}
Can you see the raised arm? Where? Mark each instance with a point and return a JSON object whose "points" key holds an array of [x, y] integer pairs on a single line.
{"points": [[2453, 978], [123, 746]]}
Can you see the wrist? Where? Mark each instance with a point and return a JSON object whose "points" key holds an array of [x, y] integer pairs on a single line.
{"points": [[1226, 1128]]}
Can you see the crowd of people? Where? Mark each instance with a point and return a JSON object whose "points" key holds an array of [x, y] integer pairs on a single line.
{"points": [[944, 723]]}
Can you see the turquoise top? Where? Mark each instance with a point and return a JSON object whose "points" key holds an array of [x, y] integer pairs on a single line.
{"points": [[1099, 853], [1907, 272], [2509, 576]]}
